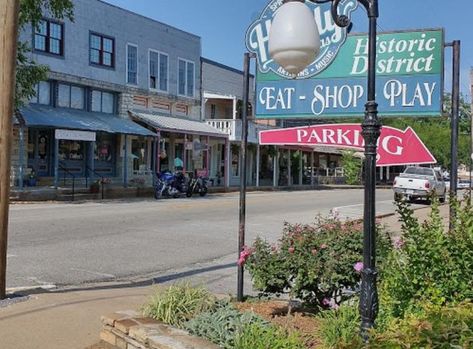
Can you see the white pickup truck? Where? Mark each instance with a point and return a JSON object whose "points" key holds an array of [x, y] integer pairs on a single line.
{"points": [[419, 183]]}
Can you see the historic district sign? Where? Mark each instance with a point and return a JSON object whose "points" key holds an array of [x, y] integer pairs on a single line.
{"points": [[409, 71], [395, 147]]}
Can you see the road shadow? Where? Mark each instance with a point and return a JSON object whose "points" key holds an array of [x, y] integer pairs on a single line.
{"points": [[128, 284]]}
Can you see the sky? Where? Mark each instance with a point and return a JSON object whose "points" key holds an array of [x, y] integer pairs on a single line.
{"points": [[222, 24]]}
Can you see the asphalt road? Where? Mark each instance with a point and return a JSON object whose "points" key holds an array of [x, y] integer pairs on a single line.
{"points": [[61, 245]]}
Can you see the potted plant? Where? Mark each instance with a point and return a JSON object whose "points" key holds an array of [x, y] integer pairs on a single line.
{"points": [[95, 187], [32, 178]]}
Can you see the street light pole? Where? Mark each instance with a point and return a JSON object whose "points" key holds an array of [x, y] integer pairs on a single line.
{"points": [[8, 37], [292, 51], [371, 130]]}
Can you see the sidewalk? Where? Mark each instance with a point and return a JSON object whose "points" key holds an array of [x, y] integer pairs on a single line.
{"points": [[70, 319]]}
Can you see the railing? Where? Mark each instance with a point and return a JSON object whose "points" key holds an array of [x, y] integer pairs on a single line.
{"points": [[102, 179], [67, 172], [233, 128]]}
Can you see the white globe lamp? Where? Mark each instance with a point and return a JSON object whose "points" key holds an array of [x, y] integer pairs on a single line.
{"points": [[294, 40]]}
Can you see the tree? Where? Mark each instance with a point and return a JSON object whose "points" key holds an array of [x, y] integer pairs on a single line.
{"points": [[351, 167], [436, 134], [28, 72], [464, 107]]}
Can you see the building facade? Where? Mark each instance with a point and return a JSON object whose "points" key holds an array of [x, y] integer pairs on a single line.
{"points": [[122, 99]]}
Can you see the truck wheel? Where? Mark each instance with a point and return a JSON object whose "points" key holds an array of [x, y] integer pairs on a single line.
{"points": [[443, 198]]}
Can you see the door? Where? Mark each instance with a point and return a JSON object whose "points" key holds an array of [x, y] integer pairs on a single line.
{"points": [[40, 152]]}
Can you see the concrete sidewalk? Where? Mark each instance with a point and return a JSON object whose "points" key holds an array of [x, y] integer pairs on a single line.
{"points": [[70, 319]]}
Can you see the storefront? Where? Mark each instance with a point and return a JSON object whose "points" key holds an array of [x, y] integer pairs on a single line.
{"points": [[187, 145], [79, 143]]}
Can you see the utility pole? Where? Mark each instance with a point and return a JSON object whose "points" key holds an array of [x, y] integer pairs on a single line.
{"points": [[8, 45]]}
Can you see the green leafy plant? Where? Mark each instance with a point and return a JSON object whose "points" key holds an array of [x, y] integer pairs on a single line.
{"points": [[222, 324], [259, 336], [315, 263], [351, 167], [430, 263], [178, 303], [431, 327], [340, 328]]}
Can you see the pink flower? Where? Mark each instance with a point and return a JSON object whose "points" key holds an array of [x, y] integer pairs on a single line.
{"points": [[323, 246], [358, 267], [398, 243], [244, 255], [291, 250], [330, 303]]}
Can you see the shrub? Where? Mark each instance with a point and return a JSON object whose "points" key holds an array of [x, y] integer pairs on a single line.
{"points": [[430, 263], [351, 167], [432, 327], [340, 328], [315, 263], [178, 303], [259, 336], [222, 324]]}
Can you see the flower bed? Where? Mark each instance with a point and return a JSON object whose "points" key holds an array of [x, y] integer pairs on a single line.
{"points": [[425, 284]]}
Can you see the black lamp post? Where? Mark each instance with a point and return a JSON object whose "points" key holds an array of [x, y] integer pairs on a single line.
{"points": [[371, 127]]}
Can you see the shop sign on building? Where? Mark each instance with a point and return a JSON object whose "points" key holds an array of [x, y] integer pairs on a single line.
{"points": [[72, 135], [409, 72]]}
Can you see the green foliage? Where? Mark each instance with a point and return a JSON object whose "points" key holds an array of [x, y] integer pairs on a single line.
{"points": [[31, 11], [433, 327], [259, 336], [28, 73], [430, 263], [464, 107], [312, 263], [178, 303], [222, 324], [351, 167], [340, 328], [436, 135]]}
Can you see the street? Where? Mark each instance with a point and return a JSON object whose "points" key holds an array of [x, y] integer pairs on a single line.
{"points": [[59, 245]]}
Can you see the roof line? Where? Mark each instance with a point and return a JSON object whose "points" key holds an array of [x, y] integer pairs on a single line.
{"points": [[223, 66], [149, 18]]}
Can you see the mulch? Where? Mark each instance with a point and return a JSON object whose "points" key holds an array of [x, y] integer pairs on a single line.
{"points": [[276, 312]]}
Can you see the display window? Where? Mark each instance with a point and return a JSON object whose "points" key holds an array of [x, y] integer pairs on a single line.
{"points": [[71, 150], [104, 148]]}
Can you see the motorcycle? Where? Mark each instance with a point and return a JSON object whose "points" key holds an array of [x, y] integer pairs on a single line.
{"points": [[197, 184], [169, 184]]}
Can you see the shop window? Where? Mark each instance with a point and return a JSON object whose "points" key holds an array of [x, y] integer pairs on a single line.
{"points": [[132, 64], [186, 78], [48, 37], [71, 150], [104, 147], [139, 150], [103, 102], [235, 161], [102, 50], [158, 71], [42, 93]]}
